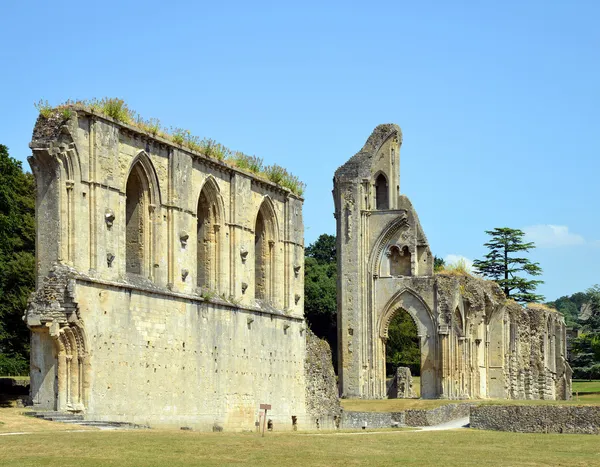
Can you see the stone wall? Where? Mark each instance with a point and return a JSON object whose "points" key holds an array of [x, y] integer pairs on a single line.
{"points": [[474, 342], [169, 284], [537, 418], [322, 402]]}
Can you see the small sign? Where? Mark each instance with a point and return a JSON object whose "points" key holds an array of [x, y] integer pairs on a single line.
{"points": [[265, 406]]}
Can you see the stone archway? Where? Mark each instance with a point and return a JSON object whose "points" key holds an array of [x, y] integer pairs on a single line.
{"points": [[410, 302]]}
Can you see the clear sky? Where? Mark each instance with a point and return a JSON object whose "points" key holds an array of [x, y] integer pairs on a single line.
{"points": [[498, 101]]}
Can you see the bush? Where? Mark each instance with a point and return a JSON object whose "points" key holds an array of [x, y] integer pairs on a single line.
{"points": [[13, 365]]}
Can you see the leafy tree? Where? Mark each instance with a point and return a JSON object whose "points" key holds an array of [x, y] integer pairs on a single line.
{"points": [[17, 261], [569, 306], [402, 346], [438, 264], [320, 290], [585, 351], [503, 267]]}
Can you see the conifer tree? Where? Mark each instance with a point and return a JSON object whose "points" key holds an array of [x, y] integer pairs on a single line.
{"points": [[502, 266]]}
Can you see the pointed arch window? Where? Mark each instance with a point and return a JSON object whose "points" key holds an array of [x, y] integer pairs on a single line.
{"points": [[209, 243], [264, 254], [381, 192], [136, 221]]}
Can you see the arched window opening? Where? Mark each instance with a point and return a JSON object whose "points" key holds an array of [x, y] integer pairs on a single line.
{"points": [[208, 247], [264, 256], [136, 222], [381, 192], [400, 261], [402, 350]]}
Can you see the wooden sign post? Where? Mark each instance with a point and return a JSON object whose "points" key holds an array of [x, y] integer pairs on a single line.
{"points": [[265, 407]]}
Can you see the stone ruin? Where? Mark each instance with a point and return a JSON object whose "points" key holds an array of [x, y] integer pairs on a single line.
{"points": [[474, 343], [401, 385], [169, 284], [170, 290]]}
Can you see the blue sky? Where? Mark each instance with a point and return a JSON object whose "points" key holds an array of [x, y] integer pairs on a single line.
{"points": [[498, 101]]}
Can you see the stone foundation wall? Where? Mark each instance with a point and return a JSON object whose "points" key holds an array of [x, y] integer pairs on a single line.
{"points": [[537, 419], [322, 402]]}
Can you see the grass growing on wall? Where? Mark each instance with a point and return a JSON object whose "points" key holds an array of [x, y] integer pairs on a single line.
{"points": [[119, 110]]}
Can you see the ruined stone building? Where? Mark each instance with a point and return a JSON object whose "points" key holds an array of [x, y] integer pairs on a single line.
{"points": [[474, 343], [169, 284]]}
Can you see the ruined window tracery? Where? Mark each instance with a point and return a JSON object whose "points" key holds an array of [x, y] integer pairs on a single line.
{"points": [[136, 221], [208, 238], [264, 254], [381, 192], [400, 261]]}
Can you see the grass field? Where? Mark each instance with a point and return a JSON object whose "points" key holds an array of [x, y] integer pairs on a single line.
{"points": [[173, 449], [584, 393], [50, 444]]}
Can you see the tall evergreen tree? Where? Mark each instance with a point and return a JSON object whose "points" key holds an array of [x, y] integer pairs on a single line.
{"points": [[502, 266], [17, 261]]}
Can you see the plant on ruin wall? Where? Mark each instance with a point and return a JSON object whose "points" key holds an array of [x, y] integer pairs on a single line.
{"points": [[505, 268], [118, 110]]}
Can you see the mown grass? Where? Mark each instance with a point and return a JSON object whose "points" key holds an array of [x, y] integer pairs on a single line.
{"points": [[13, 420], [174, 449], [584, 393]]}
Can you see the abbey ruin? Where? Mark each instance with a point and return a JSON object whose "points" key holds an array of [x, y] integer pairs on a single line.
{"points": [[474, 343], [170, 289], [169, 286]]}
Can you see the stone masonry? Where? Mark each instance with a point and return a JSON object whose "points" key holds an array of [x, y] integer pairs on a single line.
{"points": [[169, 284], [474, 343]]}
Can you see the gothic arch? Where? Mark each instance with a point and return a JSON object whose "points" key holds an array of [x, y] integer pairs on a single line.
{"points": [[382, 242], [382, 191], [412, 303], [210, 220], [72, 368], [141, 198], [265, 252]]}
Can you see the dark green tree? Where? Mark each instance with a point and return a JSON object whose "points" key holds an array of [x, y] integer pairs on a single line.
{"points": [[402, 345], [17, 261], [503, 266], [585, 350], [320, 290], [438, 264]]}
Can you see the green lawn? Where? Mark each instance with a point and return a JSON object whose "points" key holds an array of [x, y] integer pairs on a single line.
{"points": [[584, 393], [173, 449]]}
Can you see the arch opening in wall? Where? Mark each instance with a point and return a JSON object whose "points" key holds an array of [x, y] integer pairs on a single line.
{"points": [[208, 235], [402, 346], [400, 261], [264, 253], [381, 192], [136, 222]]}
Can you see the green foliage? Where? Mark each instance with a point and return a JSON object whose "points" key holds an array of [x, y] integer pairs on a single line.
{"points": [[569, 306], [251, 163], [585, 350], [117, 109], [501, 266], [323, 250], [438, 264], [402, 347], [43, 108], [17, 257], [15, 365], [320, 290]]}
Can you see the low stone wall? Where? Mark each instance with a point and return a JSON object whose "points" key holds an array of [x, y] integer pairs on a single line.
{"points": [[412, 417], [441, 414], [537, 418], [358, 420]]}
